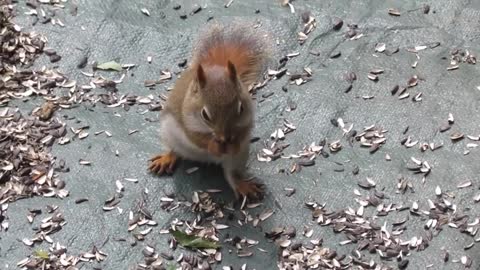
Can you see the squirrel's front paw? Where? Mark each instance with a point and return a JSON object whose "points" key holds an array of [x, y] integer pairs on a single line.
{"points": [[249, 189], [163, 163]]}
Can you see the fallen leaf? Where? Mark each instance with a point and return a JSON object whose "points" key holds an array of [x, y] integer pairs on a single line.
{"points": [[42, 254], [112, 65], [171, 267], [193, 241]]}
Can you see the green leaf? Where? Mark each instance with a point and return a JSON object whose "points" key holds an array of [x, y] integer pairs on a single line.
{"points": [[171, 267], [112, 65], [193, 241], [42, 254]]}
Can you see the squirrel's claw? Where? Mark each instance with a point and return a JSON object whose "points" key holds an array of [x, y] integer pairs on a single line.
{"points": [[163, 163], [249, 189]]}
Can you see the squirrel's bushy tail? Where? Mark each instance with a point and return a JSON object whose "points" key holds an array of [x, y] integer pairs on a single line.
{"points": [[242, 45]]}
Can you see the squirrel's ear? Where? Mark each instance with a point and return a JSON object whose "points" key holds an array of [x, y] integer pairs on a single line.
{"points": [[232, 71], [202, 80]]}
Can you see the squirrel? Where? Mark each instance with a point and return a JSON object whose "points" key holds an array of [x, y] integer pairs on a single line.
{"points": [[209, 115]]}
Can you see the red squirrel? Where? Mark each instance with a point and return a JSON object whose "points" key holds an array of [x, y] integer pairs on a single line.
{"points": [[209, 114]]}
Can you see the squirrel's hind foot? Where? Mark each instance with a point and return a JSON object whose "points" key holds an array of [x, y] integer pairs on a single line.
{"points": [[163, 163], [249, 189]]}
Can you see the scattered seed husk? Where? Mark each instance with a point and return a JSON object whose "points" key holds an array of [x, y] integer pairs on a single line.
{"points": [[469, 246], [335, 146], [394, 12], [81, 200], [364, 183], [290, 191], [350, 77], [456, 136], [145, 11], [82, 63], [466, 261], [335, 54], [149, 83], [82, 134], [450, 119], [355, 170], [403, 264], [380, 47], [55, 58], [84, 162], [308, 232], [27, 242], [412, 81], [426, 8], [337, 23], [196, 9], [464, 184], [444, 128], [372, 77], [453, 67], [192, 170], [266, 214], [417, 97], [376, 71]]}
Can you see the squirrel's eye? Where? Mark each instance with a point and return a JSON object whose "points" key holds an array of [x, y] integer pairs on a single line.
{"points": [[205, 115]]}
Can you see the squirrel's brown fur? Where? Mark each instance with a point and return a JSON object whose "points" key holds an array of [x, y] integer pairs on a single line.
{"points": [[246, 48]]}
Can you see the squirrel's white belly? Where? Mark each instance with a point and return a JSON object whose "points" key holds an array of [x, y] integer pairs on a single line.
{"points": [[176, 140]]}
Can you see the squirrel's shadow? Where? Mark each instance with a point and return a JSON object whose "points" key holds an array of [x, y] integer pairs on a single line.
{"points": [[207, 176]]}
